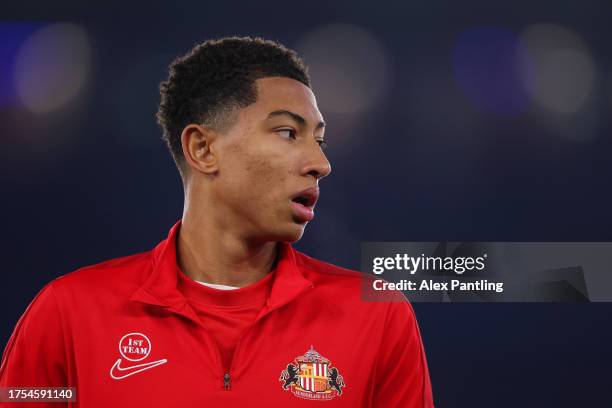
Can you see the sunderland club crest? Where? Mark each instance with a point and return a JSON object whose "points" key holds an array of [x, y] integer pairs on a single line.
{"points": [[312, 376]]}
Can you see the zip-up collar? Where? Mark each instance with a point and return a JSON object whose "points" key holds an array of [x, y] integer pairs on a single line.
{"points": [[160, 288]]}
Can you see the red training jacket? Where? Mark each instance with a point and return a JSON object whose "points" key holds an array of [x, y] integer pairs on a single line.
{"points": [[124, 336]]}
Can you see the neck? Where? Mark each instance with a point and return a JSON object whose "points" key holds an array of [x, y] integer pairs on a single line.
{"points": [[209, 252]]}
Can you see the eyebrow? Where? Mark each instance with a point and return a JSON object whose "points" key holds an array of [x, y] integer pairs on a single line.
{"points": [[295, 117]]}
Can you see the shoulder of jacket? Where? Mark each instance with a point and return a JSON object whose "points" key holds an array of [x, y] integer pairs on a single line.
{"points": [[317, 267], [325, 273], [116, 270]]}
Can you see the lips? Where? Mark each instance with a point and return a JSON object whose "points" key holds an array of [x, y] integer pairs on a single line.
{"points": [[307, 198], [303, 204]]}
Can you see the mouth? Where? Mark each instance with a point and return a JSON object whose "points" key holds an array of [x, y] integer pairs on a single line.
{"points": [[303, 204]]}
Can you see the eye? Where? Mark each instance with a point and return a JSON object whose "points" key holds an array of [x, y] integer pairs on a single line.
{"points": [[287, 133], [322, 143]]}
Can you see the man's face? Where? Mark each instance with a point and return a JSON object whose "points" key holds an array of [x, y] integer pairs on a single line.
{"points": [[270, 162]]}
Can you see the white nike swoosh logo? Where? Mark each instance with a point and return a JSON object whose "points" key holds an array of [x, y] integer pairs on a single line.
{"points": [[118, 373]]}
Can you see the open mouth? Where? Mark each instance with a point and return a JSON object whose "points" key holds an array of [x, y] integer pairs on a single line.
{"points": [[302, 200], [304, 204], [307, 198]]}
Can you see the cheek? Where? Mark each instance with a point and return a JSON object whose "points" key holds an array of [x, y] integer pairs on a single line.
{"points": [[255, 175], [265, 177]]}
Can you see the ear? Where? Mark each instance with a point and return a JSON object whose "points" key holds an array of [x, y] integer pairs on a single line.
{"points": [[196, 141]]}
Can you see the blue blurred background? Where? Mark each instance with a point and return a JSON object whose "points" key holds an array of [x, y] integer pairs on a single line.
{"points": [[447, 121]]}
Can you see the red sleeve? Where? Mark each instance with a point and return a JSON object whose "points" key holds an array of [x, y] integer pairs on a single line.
{"points": [[35, 354], [401, 374]]}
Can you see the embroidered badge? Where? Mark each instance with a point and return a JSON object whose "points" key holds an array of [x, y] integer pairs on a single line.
{"points": [[312, 376]]}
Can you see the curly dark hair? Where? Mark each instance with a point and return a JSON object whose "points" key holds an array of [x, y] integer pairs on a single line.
{"points": [[217, 77]]}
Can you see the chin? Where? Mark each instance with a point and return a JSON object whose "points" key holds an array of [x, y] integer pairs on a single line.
{"points": [[290, 233]]}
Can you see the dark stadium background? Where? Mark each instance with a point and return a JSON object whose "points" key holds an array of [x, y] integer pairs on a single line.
{"points": [[458, 121]]}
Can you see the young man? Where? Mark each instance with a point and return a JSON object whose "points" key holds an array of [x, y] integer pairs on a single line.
{"points": [[224, 312]]}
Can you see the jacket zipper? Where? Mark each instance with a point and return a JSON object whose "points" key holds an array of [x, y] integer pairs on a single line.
{"points": [[214, 346], [226, 376], [226, 381]]}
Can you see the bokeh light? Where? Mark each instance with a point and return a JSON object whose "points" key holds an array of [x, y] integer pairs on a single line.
{"points": [[562, 77], [12, 36], [349, 67], [52, 66]]}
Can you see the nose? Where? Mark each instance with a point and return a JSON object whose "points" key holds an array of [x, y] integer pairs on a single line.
{"points": [[317, 164]]}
